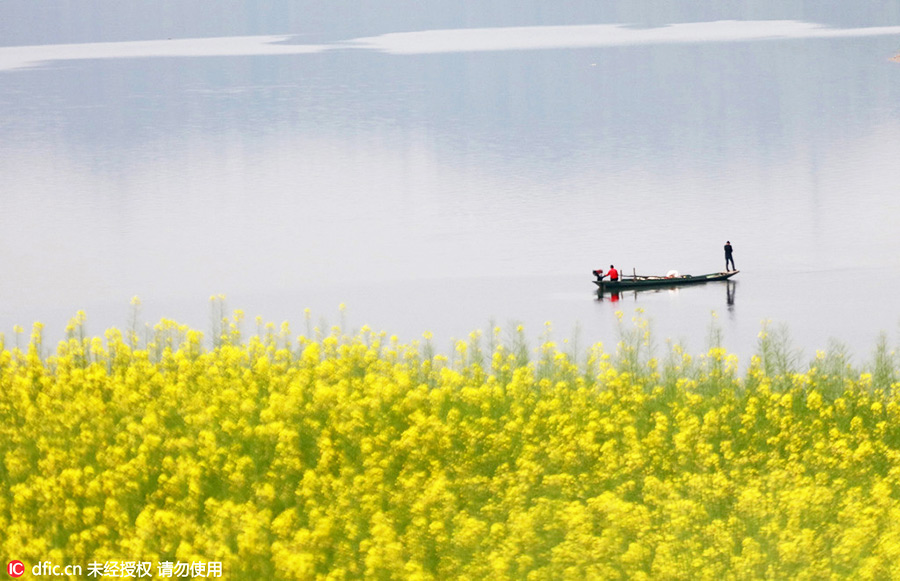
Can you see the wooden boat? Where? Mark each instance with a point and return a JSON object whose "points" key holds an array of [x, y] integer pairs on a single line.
{"points": [[634, 282]]}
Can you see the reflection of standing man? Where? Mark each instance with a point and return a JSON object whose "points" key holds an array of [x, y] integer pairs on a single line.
{"points": [[728, 257]]}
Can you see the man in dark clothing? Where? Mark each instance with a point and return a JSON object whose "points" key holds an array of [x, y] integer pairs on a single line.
{"points": [[728, 257]]}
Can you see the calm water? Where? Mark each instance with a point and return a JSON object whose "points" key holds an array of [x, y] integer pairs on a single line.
{"points": [[448, 168]]}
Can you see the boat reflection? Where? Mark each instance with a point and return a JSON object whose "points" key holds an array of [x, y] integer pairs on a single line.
{"points": [[616, 296]]}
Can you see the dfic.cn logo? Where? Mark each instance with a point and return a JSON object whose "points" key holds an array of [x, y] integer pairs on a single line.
{"points": [[15, 568]]}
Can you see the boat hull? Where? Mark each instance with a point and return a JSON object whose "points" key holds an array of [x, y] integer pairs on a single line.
{"points": [[661, 281]]}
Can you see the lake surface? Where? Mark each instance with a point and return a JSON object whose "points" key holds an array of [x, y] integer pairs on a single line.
{"points": [[446, 168]]}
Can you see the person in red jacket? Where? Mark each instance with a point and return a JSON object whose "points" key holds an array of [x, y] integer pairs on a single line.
{"points": [[613, 274]]}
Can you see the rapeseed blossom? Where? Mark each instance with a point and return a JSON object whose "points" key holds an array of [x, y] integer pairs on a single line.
{"points": [[335, 456]]}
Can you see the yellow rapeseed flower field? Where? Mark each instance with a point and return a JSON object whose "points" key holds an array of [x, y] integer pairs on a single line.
{"points": [[336, 456]]}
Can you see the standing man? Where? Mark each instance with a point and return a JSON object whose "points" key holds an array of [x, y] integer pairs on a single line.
{"points": [[728, 257]]}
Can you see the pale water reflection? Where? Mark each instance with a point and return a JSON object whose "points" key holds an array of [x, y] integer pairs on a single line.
{"points": [[443, 41], [606, 35], [440, 179]]}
